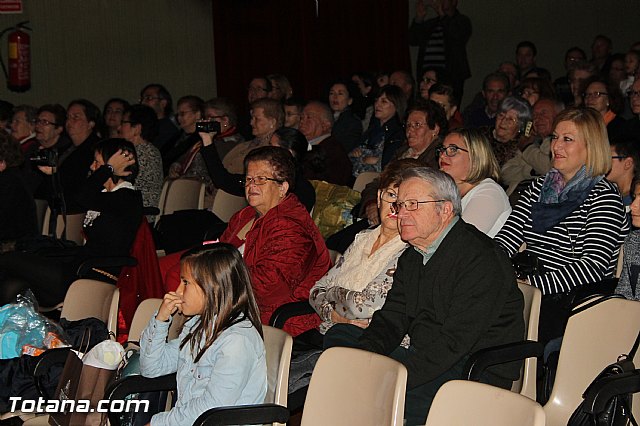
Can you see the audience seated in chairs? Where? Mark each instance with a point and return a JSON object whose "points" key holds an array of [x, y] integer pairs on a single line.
{"points": [[114, 212]]}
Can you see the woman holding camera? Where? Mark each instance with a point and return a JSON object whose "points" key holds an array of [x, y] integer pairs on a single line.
{"points": [[114, 213]]}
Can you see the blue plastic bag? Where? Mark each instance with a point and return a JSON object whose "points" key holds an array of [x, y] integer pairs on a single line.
{"points": [[21, 324]]}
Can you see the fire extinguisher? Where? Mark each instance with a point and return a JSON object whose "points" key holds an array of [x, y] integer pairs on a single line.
{"points": [[18, 73]]}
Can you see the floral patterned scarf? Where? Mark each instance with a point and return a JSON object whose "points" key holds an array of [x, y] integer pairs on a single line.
{"points": [[559, 198]]}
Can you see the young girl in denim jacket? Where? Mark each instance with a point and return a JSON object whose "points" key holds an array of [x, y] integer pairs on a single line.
{"points": [[219, 357]]}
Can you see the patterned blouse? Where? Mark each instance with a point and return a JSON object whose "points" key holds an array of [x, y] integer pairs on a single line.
{"points": [[328, 294], [150, 177]]}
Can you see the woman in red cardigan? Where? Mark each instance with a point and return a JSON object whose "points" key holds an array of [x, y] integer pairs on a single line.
{"points": [[279, 241]]}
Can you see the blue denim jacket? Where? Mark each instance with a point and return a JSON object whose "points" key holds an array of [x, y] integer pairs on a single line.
{"points": [[232, 371]]}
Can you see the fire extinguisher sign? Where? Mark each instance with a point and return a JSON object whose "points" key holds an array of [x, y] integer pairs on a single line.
{"points": [[10, 6]]}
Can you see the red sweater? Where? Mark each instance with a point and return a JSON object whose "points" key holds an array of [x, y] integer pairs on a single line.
{"points": [[285, 254]]}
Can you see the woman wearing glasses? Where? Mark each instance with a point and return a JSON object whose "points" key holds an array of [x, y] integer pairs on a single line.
{"points": [[357, 285], [466, 156], [572, 220], [605, 98], [514, 116], [279, 242], [426, 122]]}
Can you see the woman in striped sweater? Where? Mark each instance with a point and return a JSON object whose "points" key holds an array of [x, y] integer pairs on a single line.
{"points": [[572, 219]]}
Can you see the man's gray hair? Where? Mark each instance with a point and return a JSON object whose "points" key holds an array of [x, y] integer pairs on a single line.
{"points": [[443, 187]]}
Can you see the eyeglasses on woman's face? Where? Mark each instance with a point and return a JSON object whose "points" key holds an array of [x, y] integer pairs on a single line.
{"points": [[389, 196], [258, 180], [449, 150]]}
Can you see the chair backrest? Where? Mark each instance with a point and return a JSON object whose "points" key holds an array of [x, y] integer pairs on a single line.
{"points": [[143, 314], [355, 387], [181, 194], [532, 298], [461, 402], [278, 345], [225, 205], [364, 179], [593, 339], [91, 298], [74, 226]]}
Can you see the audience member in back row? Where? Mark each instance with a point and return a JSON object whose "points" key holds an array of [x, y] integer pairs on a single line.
{"points": [[23, 124], [112, 115], [625, 162], [513, 124], [17, 209], [442, 40], [473, 302], [347, 128], [267, 115], [83, 117], [140, 126], [189, 112], [385, 133], [327, 160], [495, 88], [114, 213], [572, 219], [605, 98], [442, 94], [51, 139], [279, 242], [159, 99], [222, 111], [536, 151], [630, 276]]}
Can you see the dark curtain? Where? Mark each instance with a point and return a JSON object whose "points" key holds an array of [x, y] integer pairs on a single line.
{"points": [[259, 37]]}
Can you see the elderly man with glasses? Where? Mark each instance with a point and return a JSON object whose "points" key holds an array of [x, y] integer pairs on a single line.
{"points": [[454, 292]]}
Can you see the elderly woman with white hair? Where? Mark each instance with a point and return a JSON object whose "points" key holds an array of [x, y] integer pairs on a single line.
{"points": [[512, 122]]}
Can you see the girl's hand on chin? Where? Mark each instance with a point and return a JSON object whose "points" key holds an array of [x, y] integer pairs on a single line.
{"points": [[170, 305]]}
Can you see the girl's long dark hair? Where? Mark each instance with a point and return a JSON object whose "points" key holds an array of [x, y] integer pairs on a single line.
{"points": [[224, 278]]}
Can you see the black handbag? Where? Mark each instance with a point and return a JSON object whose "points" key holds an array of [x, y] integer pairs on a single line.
{"points": [[526, 263], [618, 408]]}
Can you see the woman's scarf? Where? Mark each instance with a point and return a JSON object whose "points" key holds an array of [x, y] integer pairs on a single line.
{"points": [[357, 269], [559, 198]]}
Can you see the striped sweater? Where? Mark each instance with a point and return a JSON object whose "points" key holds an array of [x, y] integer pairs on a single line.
{"points": [[583, 248]]}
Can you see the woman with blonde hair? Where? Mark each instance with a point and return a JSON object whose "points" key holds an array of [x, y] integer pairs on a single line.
{"points": [[467, 157], [572, 220]]}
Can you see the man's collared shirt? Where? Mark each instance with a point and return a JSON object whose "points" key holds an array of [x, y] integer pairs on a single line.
{"points": [[428, 252]]}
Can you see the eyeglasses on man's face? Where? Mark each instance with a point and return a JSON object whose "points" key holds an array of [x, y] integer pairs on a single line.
{"points": [[258, 180], [633, 93], [412, 205], [449, 150]]}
